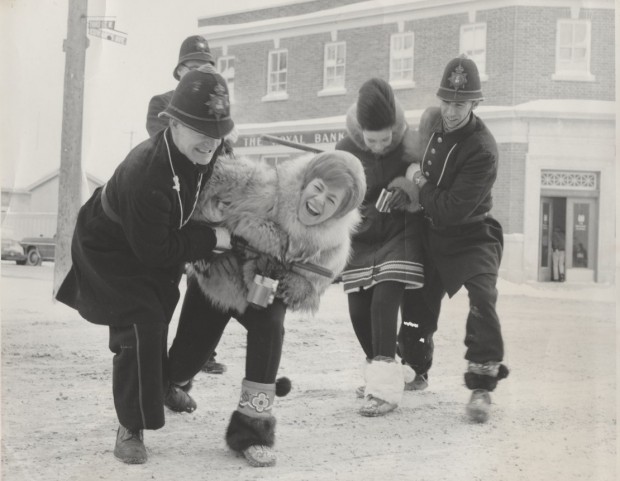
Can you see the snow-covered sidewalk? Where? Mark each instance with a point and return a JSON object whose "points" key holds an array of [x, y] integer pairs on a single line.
{"points": [[554, 418]]}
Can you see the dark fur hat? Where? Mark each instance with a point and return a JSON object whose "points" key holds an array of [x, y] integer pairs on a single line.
{"points": [[376, 107]]}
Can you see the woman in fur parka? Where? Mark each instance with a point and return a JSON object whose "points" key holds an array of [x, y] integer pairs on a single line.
{"points": [[293, 222], [386, 249]]}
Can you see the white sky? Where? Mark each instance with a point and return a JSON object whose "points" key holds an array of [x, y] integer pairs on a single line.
{"points": [[120, 80]]}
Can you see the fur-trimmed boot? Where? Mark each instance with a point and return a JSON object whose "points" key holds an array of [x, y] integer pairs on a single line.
{"points": [[384, 386], [482, 379], [251, 430]]}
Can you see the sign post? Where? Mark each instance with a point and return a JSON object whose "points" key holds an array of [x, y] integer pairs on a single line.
{"points": [[70, 176]]}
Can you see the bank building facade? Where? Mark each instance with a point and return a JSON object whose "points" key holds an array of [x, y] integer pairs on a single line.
{"points": [[548, 77]]}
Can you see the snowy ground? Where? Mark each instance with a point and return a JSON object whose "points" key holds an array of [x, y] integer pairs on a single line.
{"points": [[554, 418]]}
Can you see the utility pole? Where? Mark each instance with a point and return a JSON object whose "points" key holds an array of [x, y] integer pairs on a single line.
{"points": [[70, 177]]}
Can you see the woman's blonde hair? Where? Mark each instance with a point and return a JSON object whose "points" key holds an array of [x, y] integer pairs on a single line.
{"points": [[339, 168]]}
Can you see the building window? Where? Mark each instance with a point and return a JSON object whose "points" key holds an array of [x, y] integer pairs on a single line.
{"points": [[474, 44], [572, 53], [401, 60], [226, 67], [335, 57], [277, 75]]}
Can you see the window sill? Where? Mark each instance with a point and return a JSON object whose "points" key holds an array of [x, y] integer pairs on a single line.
{"points": [[331, 91], [402, 85], [573, 77], [274, 97]]}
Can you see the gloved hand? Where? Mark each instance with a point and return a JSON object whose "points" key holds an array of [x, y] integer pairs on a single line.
{"points": [[399, 199]]}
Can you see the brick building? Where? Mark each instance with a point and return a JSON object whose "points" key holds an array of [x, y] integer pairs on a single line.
{"points": [[548, 75]]}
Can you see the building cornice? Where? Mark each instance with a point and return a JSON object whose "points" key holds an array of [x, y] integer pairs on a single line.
{"points": [[543, 109], [371, 13]]}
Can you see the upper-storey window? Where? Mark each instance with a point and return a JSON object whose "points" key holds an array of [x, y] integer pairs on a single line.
{"points": [[474, 44], [572, 53], [401, 59], [226, 67], [277, 75], [335, 57]]}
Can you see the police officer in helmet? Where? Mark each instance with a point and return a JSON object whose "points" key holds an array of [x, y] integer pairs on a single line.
{"points": [[131, 242], [463, 242]]}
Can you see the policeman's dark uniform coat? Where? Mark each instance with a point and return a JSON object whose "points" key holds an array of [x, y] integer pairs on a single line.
{"points": [[463, 242], [130, 245], [157, 104]]}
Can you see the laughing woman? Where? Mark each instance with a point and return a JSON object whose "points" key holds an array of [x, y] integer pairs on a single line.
{"points": [[292, 224]]}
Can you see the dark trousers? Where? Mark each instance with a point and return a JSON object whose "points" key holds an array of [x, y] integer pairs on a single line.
{"points": [[374, 315], [139, 374], [420, 313], [201, 326]]}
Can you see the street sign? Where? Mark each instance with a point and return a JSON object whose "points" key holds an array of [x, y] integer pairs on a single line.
{"points": [[104, 27]]}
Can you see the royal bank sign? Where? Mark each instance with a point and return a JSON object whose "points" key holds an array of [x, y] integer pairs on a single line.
{"points": [[316, 137]]}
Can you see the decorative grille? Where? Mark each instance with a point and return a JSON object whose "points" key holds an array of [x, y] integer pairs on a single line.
{"points": [[556, 179]]}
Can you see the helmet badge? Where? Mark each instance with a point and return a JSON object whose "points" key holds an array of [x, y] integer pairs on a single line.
{"points": [[458, 78], [218, 103]]}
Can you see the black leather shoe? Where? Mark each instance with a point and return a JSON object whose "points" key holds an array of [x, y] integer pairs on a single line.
{"points": [[213, 367], [129, 446], [178, 400]]}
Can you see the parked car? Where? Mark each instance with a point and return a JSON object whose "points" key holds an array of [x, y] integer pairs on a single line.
{"points": [[38, 249], [13, 251]]}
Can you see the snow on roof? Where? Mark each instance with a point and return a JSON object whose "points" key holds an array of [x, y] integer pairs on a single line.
{"points": [[232, 11], [360, 9]]}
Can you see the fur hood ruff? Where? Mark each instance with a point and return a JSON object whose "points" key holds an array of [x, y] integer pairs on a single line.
{"points": [[354, 129]]}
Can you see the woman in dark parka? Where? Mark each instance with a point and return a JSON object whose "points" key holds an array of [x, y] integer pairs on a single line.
{"points": [[386, 257], [130, 245]]}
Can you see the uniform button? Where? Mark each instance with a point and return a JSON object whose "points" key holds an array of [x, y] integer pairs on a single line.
{"points": [[439, 140], [430, 162], [433, 151], [426, 173]]}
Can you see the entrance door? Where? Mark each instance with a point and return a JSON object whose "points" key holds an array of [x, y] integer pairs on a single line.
{"points": [[544, 257], [552, 219], [581, 239]]}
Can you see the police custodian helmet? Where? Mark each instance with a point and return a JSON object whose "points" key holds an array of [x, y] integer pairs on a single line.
{"points": [[201, 102], [193, 48], [460, 81]]}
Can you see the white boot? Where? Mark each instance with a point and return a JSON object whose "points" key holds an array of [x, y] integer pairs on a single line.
{"points": [[384, 386]]}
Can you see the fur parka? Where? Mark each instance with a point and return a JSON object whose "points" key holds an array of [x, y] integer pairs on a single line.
{"points": [[258, 203]]}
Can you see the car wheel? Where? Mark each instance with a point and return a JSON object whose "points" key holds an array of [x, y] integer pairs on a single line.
{"points": [[33, 258]]}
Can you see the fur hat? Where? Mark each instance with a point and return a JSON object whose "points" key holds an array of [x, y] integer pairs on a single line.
{"points": [[376, 107]]}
